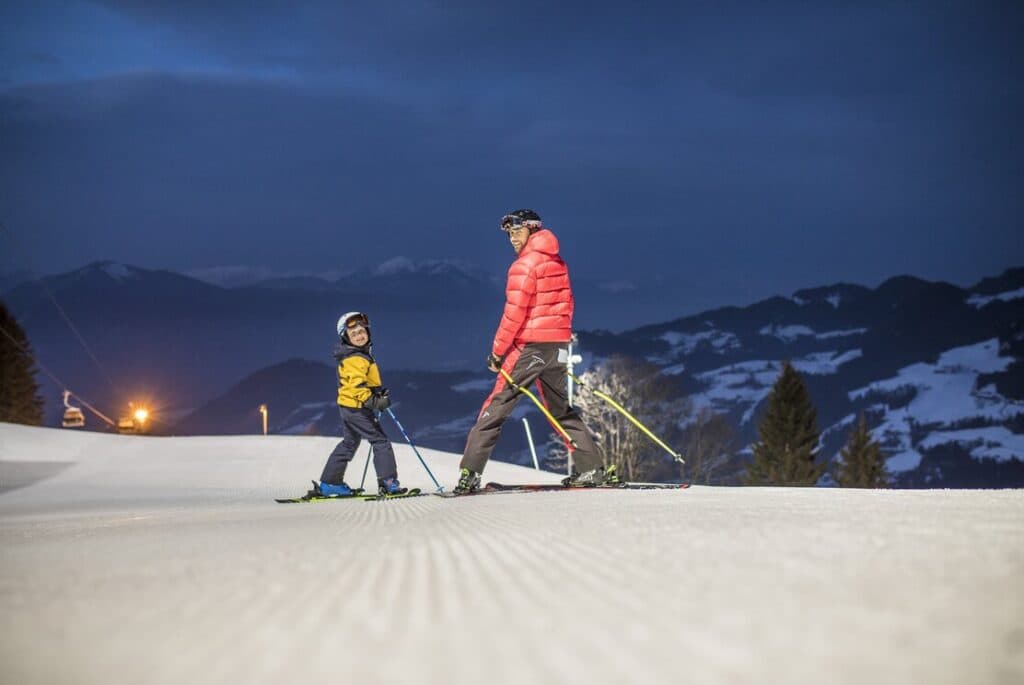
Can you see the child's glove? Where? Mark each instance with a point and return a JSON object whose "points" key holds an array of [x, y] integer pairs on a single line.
{"points": [[379, 400]]}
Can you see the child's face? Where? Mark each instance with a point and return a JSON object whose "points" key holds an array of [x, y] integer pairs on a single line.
{"points": [[358, 335]]}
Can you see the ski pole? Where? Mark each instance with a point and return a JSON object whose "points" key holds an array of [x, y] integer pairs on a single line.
{"points": [[366, 466], [622, 410], [551, 419], [413, 446]]}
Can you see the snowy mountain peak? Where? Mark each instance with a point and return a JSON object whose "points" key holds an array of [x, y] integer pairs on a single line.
{"points": [[431, 267], [114, 270], [119, 272], [834, 295]]}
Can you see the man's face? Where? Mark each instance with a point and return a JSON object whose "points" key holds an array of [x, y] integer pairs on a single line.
{"points": [[358, 335], [518, 235]]}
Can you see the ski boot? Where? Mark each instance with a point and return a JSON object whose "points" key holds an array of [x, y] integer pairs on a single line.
{"points": [[389, 487], [593, 478], [469, 482], [332, 490]]}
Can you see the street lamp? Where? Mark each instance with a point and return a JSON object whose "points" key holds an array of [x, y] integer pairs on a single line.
{"points": [[263, 410]]}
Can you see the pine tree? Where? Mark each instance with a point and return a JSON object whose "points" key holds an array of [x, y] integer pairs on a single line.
{"points": [[788, 434], [862, 463], [20, 401]]}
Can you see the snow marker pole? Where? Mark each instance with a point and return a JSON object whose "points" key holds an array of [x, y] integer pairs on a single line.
{"points": [[413, 446], [529, 439], [551, 419], [622, 410]]}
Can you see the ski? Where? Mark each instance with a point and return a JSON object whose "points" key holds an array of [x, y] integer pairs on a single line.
{"points": [[313, 497], [412, 492], [558, 487], [358, 493], [493, 488]]}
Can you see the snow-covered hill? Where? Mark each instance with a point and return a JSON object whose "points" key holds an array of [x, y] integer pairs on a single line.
{"points": [[938, 370], [884, 351], [165, 560], [182, 341]]}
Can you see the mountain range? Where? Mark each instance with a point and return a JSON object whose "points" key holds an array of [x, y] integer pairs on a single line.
{"points": [[936, 368]]}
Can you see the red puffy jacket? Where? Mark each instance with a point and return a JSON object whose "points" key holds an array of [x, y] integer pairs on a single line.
{"points": [[538, 297]]}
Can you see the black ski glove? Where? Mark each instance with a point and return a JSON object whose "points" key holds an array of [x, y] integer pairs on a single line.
{"points": [[494, 362], [379, 400]]}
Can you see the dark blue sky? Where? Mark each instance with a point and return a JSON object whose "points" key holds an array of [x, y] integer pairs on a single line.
{"points": [[722, 151]]}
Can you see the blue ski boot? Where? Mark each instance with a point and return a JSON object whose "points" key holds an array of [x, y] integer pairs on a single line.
{"points": [[390, 487], [332, 490]]}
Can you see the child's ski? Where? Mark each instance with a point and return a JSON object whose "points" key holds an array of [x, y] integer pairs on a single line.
{"points": [[412, 492], [315, 495], [309, 497], [358, 493]]}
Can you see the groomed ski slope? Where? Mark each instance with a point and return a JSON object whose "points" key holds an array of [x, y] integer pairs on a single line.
{"points": [[165, 560]]}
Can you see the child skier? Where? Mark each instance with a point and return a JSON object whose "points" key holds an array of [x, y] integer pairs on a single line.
{"points": [[360, 398]]}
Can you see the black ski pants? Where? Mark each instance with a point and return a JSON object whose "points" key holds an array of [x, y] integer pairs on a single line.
{"points": [[357, 424], [535, 363]]}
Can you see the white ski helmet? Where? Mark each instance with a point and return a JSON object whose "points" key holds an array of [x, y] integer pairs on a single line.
{"points": [[352, 316]]}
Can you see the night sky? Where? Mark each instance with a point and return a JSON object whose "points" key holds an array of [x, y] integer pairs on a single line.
{"points": [[723, 151]]}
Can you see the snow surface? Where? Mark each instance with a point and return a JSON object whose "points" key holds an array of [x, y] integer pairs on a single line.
{"points": [[946, 393], [992, 442], [840, 334], [745, 384], [833, 299], [683, 344], [791, 333], [786, 333], [119, 272], [979, 301], [406, 265], [165, 560]]}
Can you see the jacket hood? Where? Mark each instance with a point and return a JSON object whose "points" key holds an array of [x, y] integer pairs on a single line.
{"points": [[541, 241], [343, 349]]}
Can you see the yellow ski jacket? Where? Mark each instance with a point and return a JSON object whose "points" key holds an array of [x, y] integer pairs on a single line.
{"points": [[357, 375]]}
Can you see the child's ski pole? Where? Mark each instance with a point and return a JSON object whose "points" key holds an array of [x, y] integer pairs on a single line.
{"points": [[366, 465], [622, 410], [413, 446], [551, 419]]}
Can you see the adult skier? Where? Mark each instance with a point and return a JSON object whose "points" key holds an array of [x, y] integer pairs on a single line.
{"points": [[530, 345]]}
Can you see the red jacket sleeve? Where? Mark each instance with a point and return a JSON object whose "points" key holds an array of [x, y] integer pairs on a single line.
{"points": [[519, 291]]}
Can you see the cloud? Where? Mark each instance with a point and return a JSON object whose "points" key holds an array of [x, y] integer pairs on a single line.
{"points": [[674, 138]]}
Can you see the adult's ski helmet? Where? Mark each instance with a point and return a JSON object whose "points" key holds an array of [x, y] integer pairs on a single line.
{"points": [[521, 217], [351, 319]]}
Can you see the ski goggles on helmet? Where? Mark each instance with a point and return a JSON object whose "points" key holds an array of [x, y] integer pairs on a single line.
{"points": [[510, 221], [357, 321]]}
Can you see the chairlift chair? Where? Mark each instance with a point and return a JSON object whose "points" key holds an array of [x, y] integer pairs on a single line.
{"points": [[73, 416]]}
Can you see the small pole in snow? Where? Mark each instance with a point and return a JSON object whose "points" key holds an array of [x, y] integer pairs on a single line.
{"points": [[570, 361], [529, 439], [263, 410]]}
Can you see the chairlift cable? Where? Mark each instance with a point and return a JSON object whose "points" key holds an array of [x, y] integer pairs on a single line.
{"points": [[57, 381], [67, 319]]}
